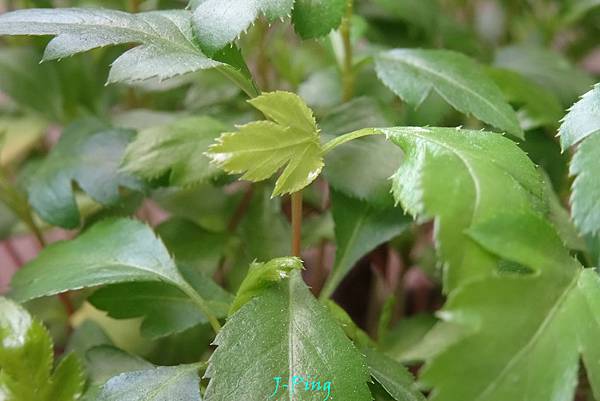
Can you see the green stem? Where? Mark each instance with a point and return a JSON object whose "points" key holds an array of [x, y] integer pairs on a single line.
{"points": [[340, 140], [348, 77], [249, 88], [202, 306]]}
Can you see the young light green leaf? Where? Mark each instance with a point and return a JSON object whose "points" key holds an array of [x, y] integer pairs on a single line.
{"points": [[167, 44], [525, 363], [261, 276], [413, 73], [291, 336], [164, 383], [259, 149], [394, 377], [460, 177], [359, 228], [89, 154], [538, 106], [26, 359], [177, 148], [582, 125], [165, 309], [317, 18]]}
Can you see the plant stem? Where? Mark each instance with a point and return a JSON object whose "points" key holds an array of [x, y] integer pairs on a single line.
{"points": [[348, 78], [202, 306], [296, 223]]}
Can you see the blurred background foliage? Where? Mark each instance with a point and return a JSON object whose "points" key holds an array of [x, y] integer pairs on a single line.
{"points": [[543, 54]]}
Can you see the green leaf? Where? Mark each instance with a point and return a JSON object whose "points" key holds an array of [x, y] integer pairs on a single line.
{"points": [[191, 245], [560, 302], [26, 359], [392, 376], [290, 139], [402, 339], [359, 228], [105, 361], [261, 276], [264, 226], [157, 384], [315, 18], [582, 126], [166, 310], [458, 178], [177, 148], [89, 154], [413, 73], [218, 23], [580, 8], [112, 251], [548, 69], [167, 44], [284, 332], [538, 106]]}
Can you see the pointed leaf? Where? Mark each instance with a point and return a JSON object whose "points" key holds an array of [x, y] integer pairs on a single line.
{"points": [[458, 178], [26, 359], [112, 251], [290, 139], [582, 125], [167, 44], [89, 154], [177, 148], [525, 362], [288, 334], [359, 228], [413, 73]]}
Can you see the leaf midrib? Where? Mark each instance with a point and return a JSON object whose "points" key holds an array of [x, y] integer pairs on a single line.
{"points": [[538, 333]]}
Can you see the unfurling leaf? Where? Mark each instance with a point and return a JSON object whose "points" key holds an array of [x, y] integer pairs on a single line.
{"points": [[167, 44], [26, 359], [259, 149], [413, 73], [539, 324], [582, 126], [285, 333], [177, 148], [88, 153]]}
